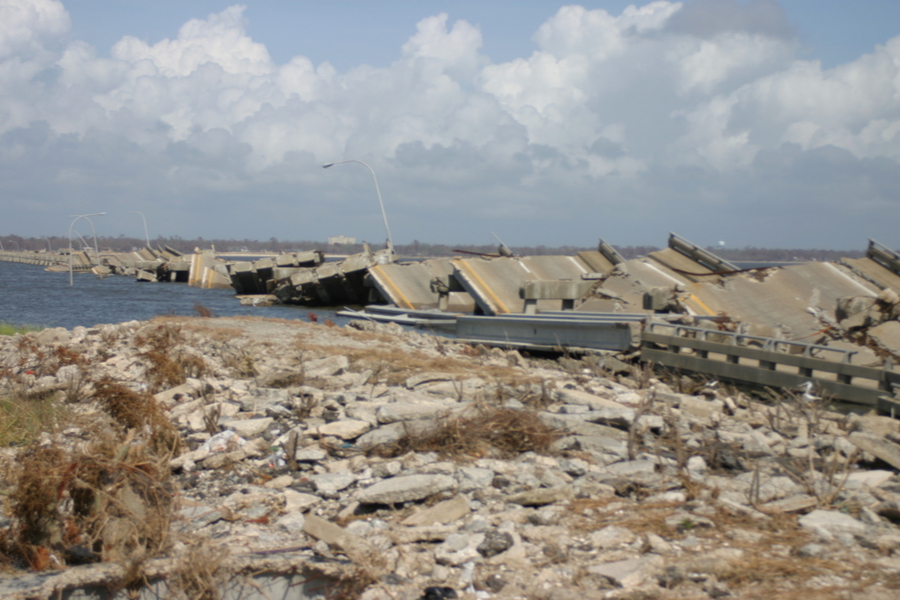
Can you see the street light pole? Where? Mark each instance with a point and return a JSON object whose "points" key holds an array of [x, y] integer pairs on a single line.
{"points": [[71, 280], [49, 247], [146, 235], [390, 242]]}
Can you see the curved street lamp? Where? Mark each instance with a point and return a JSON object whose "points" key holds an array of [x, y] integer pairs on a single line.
{"points": [[146, 235], [49, 247], [71, 281], [390, 242]]}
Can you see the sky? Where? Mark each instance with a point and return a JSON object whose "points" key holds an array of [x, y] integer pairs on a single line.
{"points": [[757, 123]]}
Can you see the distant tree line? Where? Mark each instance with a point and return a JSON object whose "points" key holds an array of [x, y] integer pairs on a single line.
{"points": [[414, 249]]}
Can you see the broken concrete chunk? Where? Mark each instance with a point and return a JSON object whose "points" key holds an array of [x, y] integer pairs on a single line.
{"points": [[441, 513], [832, 521], [405, 489], [248, 428], [887, 451], [356, 548], [346, 429], [541, 496]]}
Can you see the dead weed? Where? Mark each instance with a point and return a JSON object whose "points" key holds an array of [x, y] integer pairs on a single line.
{"points": [[112, 501], [139, 411], [482, 431], [169, 362], [199, 572]]}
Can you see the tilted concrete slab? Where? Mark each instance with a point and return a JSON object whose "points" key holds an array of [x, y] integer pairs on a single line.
{"points": [[333, 283], [421, 285], [208, 272], [796, 302], [873, 272], [496, 283], [263, 275]]}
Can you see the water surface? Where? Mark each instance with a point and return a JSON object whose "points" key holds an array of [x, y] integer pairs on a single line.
{"points": [[30, 295]]}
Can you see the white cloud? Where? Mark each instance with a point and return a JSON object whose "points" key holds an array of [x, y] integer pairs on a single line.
{"points": [[220, 39], [662, 99], [26, 27]]}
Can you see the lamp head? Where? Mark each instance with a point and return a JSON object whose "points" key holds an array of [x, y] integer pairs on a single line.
{"points": [[328, 165]]}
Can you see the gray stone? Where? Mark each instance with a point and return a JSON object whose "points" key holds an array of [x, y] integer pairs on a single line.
{"points": [[573, 466], [292, 522], [439, 514], [387, 469], [602, 444], [405, 489], [615, 416], [797, 503], [326, 367], [262, 397], [347, 429], [394, 412], [329, 484], [199, 515], [394, 432], [696, 467], [631, 467], [494, 543], [310, 454], [832, 522], [611, 537], [279, 483], [458, 548], [542, 496], [887, 451], [630, 573], [248, 428], [57, 335], [298, 501], [473, 478], [812, 550], [357, 549], [578, 397]]}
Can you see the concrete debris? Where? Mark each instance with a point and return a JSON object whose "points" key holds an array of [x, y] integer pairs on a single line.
{"points": [[354, 476]]}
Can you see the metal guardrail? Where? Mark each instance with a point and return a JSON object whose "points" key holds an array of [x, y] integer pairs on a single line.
{"points": [[554, 330], [32, 258], [884, 256], [698, 254], [769, 365]]}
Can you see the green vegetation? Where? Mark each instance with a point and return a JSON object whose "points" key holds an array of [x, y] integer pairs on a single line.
{"points": [[22, 420], [13, 329]]}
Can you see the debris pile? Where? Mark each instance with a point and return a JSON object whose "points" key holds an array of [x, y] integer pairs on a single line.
{"points": [[381, 463]]}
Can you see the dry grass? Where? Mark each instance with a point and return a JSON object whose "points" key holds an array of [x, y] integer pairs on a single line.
{"points": [[199, 572], [393, 366], [169, 364], [483, 431], [112, 501], [138, 411]]}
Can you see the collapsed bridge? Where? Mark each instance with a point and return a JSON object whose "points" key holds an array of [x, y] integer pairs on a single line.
{"points": [[835, 324]]}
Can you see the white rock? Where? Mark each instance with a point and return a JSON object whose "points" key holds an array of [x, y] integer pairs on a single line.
{"points": [[346, 429], [248, 428]]}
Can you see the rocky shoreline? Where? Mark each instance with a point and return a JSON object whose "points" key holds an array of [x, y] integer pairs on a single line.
{"points": [[391, 464]]}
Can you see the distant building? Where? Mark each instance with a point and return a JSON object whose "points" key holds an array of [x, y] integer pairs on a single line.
{"points": [[341, 239]]}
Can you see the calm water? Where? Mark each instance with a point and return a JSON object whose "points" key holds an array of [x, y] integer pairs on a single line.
{"points": [[30, 295]]}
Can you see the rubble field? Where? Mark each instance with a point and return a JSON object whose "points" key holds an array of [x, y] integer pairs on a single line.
{"points": [[386, 464]]}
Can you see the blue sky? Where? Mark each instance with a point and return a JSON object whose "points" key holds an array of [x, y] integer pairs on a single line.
{"points": [[351, 32], [760, 123]]}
